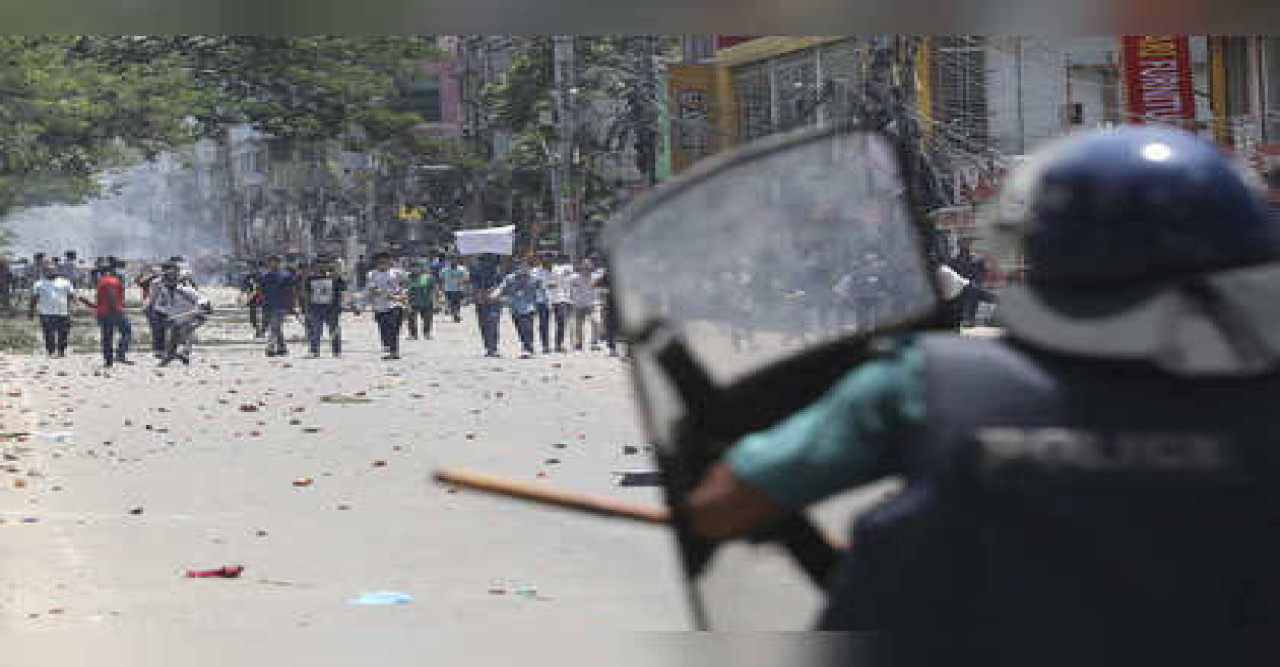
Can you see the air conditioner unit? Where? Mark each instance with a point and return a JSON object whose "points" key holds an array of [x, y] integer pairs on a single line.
{"points": [[1072, 114]]}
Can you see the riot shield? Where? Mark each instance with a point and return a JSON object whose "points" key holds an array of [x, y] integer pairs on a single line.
{"points": [[746, 289]]}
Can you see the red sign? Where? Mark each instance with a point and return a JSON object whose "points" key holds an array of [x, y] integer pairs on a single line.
{"points": [[726, 41], [1158, 78]]}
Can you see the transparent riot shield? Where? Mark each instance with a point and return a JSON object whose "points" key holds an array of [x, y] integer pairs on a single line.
{"points": [[758, 258]]}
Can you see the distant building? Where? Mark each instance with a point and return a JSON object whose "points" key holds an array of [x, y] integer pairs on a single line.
{"points": [[436, 90]]}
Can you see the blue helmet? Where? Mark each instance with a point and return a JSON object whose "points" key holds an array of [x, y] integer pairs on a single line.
{"points": [[1137, 204], [1145, 244]]}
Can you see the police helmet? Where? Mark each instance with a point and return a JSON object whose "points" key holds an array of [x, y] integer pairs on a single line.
{"points": [[1143, 243], [1136, 203]]}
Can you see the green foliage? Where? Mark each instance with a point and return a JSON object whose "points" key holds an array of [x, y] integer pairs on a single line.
{"points": [[612, 72], [65, 119], [307, 88], [74, 106]]}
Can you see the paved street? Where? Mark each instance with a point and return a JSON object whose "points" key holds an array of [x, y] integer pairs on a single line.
{"points": [[127, 480]]}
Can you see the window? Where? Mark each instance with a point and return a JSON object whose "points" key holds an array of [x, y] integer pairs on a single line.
{"points": [[695, 120], [424, 97], [1271, 87], [798, 95], [755, 102]]}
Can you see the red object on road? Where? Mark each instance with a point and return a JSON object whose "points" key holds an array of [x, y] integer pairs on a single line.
{"points": [[224, 572]]}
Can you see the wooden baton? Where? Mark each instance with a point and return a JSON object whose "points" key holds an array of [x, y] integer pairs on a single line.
{"points": [[538, 493]]}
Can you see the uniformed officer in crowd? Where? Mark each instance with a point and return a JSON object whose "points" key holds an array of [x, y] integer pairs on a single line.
{"points": [[1109, 467]]}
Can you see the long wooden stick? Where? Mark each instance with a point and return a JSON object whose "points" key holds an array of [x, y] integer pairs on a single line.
{"points": [[538, 493]]}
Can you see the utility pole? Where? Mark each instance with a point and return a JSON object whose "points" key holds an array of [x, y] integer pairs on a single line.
{"points": [[1022, 119], [562, 176], [652, 49]]}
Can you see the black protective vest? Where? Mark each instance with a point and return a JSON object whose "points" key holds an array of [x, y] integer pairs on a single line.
{"points": [[1051, 492]]}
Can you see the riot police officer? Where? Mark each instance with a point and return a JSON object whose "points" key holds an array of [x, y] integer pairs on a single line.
{"points": [[1110, 465]]}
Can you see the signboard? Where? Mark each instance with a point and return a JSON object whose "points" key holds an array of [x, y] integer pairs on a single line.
{"points": [[495, 240], [726, 41], [1158, 78], [691, 103]]}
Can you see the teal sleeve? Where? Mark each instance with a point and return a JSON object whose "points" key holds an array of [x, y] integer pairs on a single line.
{"points": [[849, 437]]}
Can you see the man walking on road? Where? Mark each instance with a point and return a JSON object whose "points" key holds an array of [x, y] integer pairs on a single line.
{"points": [[112, 319], [51, 297], [183, 310], [520, 290], [148, 281], [251, 288], [422, 300], [322, 296], [453, 279], [6, 287], [541, 272], [386, 295], [557, 286], [608, 315], [362, 272], [278, 286], [972, 268], [582, 292], [485, 280]]}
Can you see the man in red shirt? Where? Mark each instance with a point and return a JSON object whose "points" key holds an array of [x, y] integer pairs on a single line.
{"points": [[111, 316]]}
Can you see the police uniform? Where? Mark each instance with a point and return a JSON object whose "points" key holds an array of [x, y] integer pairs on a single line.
{"points": [[1110, 466]]}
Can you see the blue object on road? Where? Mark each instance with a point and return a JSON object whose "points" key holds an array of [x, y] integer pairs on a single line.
{"points": [[383, 598]]}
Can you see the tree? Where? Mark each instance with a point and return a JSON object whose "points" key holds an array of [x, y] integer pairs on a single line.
{"points": [[616, 105], [296, 88], [65, 119], [312, 95]]}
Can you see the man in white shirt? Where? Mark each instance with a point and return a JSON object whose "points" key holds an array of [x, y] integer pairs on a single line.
{"points": [[386, 292], [52, 298], [556, 283]]}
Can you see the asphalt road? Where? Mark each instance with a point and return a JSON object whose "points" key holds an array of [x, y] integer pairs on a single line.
{"points": [[127, 479], [114, 484]]}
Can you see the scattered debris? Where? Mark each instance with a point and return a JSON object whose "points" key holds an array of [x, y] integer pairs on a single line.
{"points": [[345, 400], [224, 572], [277, 582], [646, 478], [379, 598]]}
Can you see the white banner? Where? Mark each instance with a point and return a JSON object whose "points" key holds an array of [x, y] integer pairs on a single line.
{"points": [[495, 240]]}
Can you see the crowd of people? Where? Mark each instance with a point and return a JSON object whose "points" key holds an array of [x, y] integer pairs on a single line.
{"points": [[556, 306], [174, 308], [405, 295]]}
